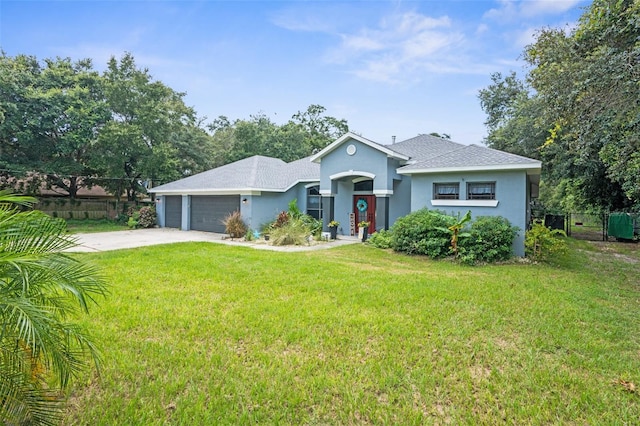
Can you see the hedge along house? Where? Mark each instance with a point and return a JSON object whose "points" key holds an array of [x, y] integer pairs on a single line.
{"points": [[354, 179]]}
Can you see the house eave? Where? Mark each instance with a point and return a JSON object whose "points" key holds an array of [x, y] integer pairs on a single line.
{"points": [[529, 168], [229, 191], [211, 191]]}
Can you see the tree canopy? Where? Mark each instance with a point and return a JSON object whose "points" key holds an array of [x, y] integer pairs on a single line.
{"points": [[64, 125], [578, 108], [305, 133]]}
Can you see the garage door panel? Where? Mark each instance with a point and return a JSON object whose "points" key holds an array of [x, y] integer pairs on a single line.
{"points": [[173, 211], [208, 212]]}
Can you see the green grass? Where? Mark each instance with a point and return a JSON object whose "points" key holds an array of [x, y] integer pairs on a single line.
{"points": [[200, 333], [83, 226]]}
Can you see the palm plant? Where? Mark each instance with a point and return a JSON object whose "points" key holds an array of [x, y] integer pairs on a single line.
{"points": [[455, 231], [41, 289]]}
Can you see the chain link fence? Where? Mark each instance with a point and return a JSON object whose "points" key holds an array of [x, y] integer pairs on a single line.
{"points": [[592, 226]]}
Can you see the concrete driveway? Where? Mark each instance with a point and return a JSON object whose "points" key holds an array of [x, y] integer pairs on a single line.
{"points": [[105, 241]]}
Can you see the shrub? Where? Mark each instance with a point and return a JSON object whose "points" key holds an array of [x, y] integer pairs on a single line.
{"points": [[294, 232], [143, 218], [381, 239], [132, 222], [314, 225], [489, 239], [434, 247], [540, 242], [234, 225], [294, 211], [423, 232], [281, 220]]}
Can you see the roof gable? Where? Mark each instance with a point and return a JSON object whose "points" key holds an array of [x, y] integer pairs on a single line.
{"points": [[352, 136]]}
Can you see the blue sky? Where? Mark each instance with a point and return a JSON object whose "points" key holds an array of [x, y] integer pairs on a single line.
{"points": [[390, 68]]}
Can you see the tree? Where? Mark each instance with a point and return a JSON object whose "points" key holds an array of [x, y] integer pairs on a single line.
{"points": [[588, 83], [152, 134], [585, 100], [17, 76], [52, 116], [307, 132], [321, 130], [512, 116], [40, 288], [73, 112]]}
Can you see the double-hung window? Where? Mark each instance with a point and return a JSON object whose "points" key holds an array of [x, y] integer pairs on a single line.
{"points": [[481, 191], [314, 202], [446, 191]]}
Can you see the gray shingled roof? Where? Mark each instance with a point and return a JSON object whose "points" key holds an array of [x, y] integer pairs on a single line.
{"points": [[470, 157], [427, 154], [423, 147], [254, 173]]}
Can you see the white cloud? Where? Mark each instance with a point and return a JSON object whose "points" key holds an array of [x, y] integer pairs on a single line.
{"points": [[323, 17], [525, 37], [400, 46], [295, 22], [481, 29], [362, 43], [546, 7], [412, 22], [378, 70], [509, 10]]}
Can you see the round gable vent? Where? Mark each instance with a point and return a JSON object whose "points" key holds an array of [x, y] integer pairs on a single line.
{"points": [[351, 149]]}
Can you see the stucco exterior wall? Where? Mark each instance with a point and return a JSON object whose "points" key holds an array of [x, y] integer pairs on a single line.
{"points": [[160, 211], [263, 208], [365, 162], [400, 201], [365, 159], [511, 194]]}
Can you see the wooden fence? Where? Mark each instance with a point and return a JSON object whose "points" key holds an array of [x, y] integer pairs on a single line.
{"points": [[67, 208]]}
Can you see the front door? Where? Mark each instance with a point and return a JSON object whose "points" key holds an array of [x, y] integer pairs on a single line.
{"points": [[364, 207]]}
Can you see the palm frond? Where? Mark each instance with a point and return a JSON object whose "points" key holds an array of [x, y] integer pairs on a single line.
{"points": [[40, 287]]}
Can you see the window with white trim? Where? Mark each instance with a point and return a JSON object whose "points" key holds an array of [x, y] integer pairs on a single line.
{"points": [[314, 202], [446, 191], [481, 191]]}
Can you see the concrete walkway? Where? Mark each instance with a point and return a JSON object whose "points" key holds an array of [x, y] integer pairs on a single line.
{"points": [[105, 241]]}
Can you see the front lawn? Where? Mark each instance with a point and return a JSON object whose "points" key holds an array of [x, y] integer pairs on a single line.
{"points": [[200, 333], [83, 226]]}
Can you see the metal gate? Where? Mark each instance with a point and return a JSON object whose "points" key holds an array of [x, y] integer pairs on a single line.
{"points": [[587, 226]]}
